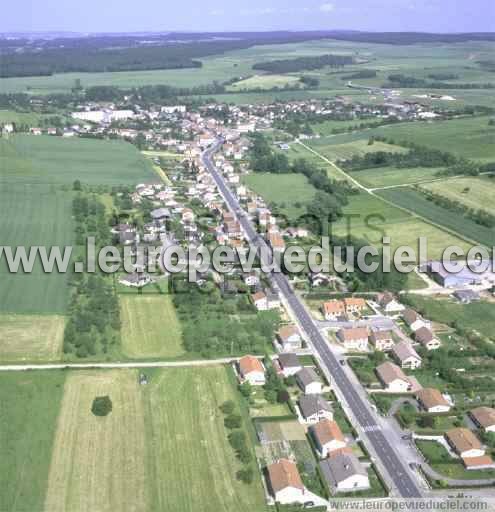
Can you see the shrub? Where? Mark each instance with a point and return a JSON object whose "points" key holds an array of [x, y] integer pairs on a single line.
{"points": [[102, 406]]}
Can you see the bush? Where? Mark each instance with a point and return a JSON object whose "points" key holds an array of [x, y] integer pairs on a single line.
{"points": [[232, 421], [245, 475], [283, 396], [102, 406], [228, 407]]}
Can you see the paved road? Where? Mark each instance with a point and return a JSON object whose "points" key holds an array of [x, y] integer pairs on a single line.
{"points": [[400, 474]]}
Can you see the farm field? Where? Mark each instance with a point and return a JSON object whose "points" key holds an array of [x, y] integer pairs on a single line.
{"points": [[31, 338], [55, 160], [390, 176], [283, 189], [264, 82], [34, 215], [150, 327], [334, 151], [453, 221], [474, 192], [30, 406]]}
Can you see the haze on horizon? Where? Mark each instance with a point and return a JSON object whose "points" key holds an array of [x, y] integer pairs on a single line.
{"points": [[248, 15]]}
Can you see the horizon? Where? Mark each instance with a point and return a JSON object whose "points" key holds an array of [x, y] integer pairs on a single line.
{"points": [[429, 16]]}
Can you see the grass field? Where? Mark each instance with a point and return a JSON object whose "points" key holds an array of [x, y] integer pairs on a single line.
{"points": [[150, 327], [34, 215], [264, 82], [416, 202], [30, 406], [31, 338], [162, 448], [474, 192], [390, 176], [283, 189], [55, 160], [346, 150]]}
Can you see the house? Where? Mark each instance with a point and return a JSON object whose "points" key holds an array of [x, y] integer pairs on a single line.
{"points": [[187, 215], [484, 417], [464, 443], [406, 356], [478, 463], [413, 320], [276, 242], [135, 280], [289, 337], [272, 300], [160, 213], [463, 275], [314, 408], [333, 309], [466, 296], [284, 482], [309, 382], [289, 364], [355, 338], [354, 305], [344, 473], [392, 377], [432, 401], [319, 279], [389, 304], [426, 338], [381, 340], [251, 369], [260, 301], [327, 436], [251, 279]]}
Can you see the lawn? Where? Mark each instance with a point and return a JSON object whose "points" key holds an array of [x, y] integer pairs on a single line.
{"points": [[474, 192], [335, 151], [34, 215], [31, 338], [30, 406], [389, 176], [56, 160], [415, 201], [264, 82], [150, 327], [286, 190], [477, 315]]}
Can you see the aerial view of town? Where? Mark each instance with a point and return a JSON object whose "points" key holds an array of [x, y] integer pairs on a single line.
{"points": [[246, 256]]}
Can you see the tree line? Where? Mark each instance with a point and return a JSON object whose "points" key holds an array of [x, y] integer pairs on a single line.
{"points": [[399, 80], [304, 63]]}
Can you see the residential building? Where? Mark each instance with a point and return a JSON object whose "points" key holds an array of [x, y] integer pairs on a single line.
{"points": [[464, 443], [381, 340], [354, 305], [393, 379], [284, 482], [309, 382], [413, 320], [314, 408], [333, 309], [432, 401], [389, 304], [260, 301], [467, 296], [289, 364], [344, 473], [426, 338], [328, 437], [355, 338], [404, 354], [135, 280], [484, 417], [251, 369], [289, 337]]}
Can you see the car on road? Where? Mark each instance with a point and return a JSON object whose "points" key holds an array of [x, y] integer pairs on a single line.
{"points": [[342, 362]]}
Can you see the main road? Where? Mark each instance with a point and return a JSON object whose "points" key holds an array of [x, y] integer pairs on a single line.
{"points": [[398, 470]]}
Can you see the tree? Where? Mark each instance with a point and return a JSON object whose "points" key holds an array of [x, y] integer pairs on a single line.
{"points": [[245, 475], [77, 186], [232, 421], [283, 396], [102, 406], [246, 389], [228, 407]]}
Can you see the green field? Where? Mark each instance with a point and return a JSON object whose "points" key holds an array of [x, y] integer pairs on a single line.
{"points": [[30, 406], [329, 148], [264, 82], [474, 192], [415, 201], [55, 160], [283, 189], [390, 176], [150, 327], [162, 448]]}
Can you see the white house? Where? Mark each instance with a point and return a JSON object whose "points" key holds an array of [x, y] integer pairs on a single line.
{"points": [[333, 309], [413, 320], [252, 370], [284, 482], [314, 408], [344, 473], [394, 380], [289, 338], [289, 364], [389, 304], [355, 338], [432, 401], [309, 382], [464, 443], [406, 356], [426, 338], [328, 437], [484, 417], [260, 301], [381, 340]]}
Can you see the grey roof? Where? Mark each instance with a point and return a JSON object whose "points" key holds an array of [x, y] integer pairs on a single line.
{"points": [[307, 376], [313, 404], [466, 295], [337, 469], [160, 213], [423, 335], [404, 350], [289, 360]]}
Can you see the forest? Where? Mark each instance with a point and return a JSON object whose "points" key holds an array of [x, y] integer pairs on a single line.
{"points": [[304, 63]]}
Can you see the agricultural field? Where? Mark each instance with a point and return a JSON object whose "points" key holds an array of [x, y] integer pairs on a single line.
{"points": [[150, 327], [286, 190], [455, 222], [55, 160], [34, 215], [264, 82], [473, 192], [380, 177], [329, 148], [30, 406], [31, 338]]}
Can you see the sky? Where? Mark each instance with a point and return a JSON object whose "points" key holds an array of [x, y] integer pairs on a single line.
{"points": [[232, 15]]}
